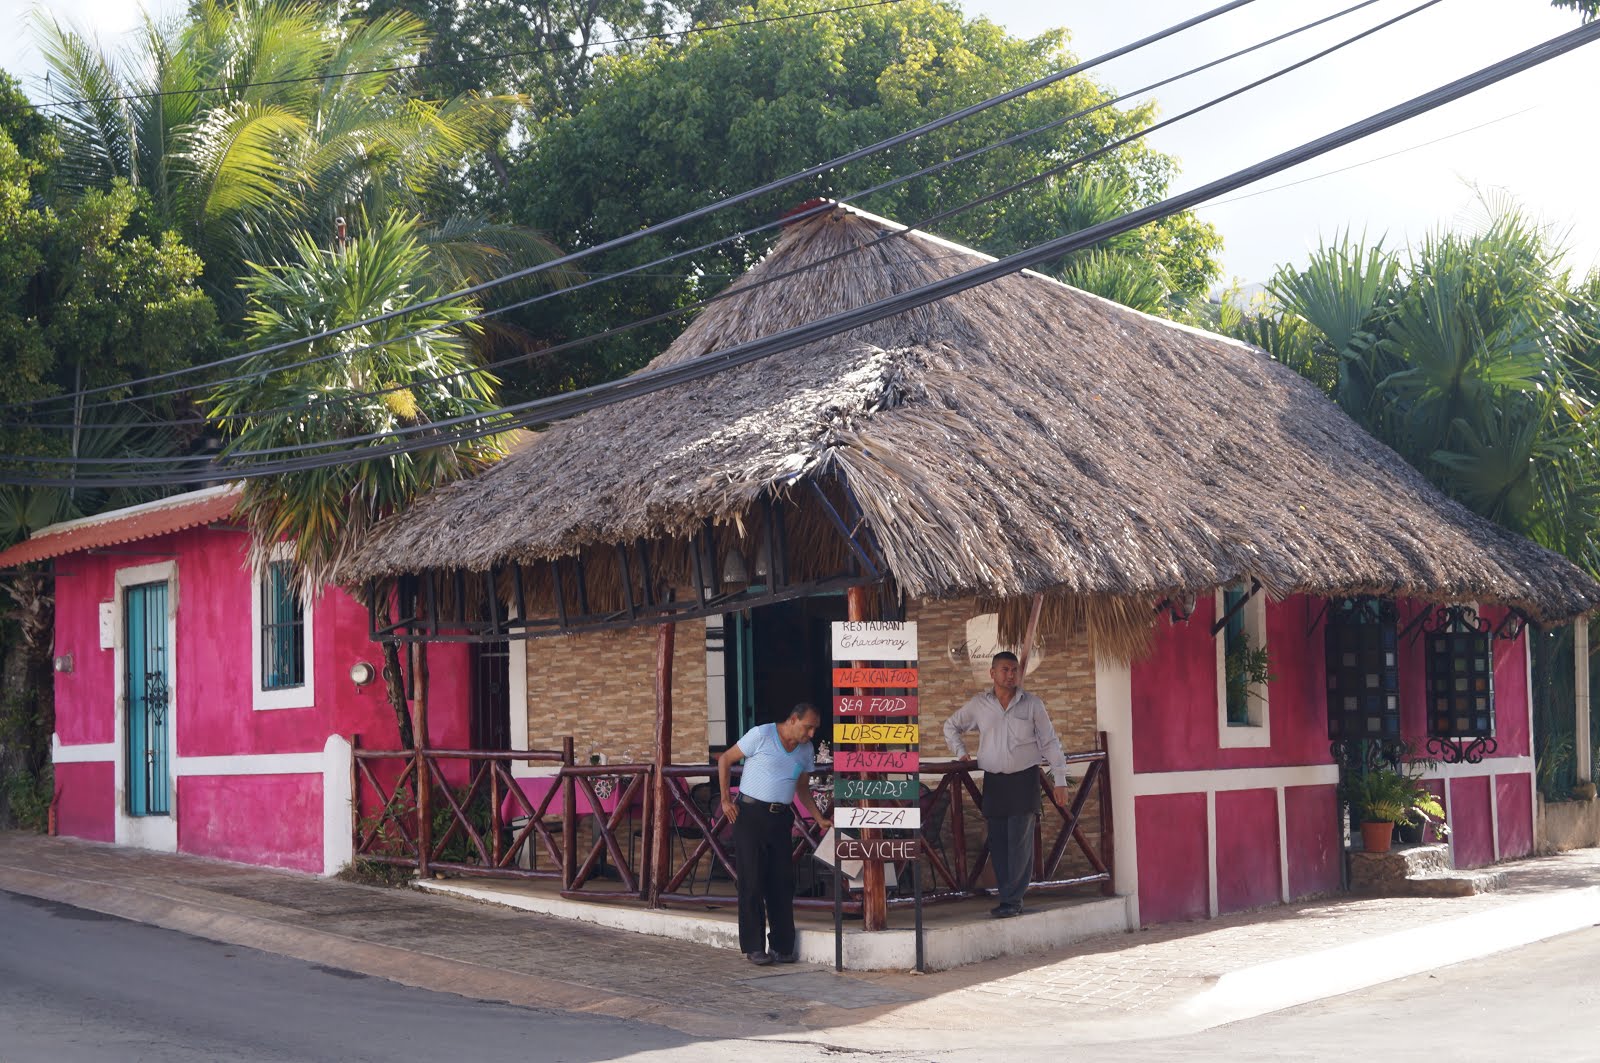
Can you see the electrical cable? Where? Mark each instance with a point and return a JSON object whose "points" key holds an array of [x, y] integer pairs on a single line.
{"points": [[898, 234], [571, 403], [670, 223], [638, 270], [493, 57]]}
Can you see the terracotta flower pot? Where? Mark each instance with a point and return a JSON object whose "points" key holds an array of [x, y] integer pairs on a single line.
{"points": [[1377, 837]]}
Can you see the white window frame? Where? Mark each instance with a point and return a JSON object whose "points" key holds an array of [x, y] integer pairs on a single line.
{"points": [[303, 696], [1258, 732]]}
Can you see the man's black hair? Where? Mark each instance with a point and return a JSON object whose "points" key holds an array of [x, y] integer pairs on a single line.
{"points": [[801, 708], [1003, 655]]}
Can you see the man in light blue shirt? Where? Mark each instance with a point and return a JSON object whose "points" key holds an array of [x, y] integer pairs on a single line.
{"points": [[778, 761], [1015, 737]]}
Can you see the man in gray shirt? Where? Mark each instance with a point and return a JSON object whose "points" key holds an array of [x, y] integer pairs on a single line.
{"points": [[1015, 737]]}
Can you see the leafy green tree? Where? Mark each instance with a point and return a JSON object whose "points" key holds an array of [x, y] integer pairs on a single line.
{"points": [[1590, 8], [91, 294], [246, 123], [326, 512], [671, 128], [1474, 357]]}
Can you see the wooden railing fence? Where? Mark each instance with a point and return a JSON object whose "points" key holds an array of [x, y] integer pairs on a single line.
{"points": [[447, 811]]}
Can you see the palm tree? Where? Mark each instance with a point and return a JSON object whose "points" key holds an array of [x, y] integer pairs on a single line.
{"points": [[324, 513], [252, 120], [1475, 359]]}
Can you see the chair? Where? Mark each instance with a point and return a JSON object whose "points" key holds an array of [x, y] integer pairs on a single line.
{"points": [[703, 795]]}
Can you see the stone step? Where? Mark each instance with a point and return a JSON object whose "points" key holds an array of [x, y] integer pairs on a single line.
{"points": [[1383, 873], [1417, 871], [1454, 883]]}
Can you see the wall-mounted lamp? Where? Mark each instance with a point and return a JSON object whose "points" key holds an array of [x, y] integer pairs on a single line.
{"points": [[362, 673], [63, 664]]}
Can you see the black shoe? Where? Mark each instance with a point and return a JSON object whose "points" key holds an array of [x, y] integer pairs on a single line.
{"points": [[788, 957], [760, 959], [1005, 911]]}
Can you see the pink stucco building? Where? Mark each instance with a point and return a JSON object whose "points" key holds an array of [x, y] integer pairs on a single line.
{"points": [[190, 716]]}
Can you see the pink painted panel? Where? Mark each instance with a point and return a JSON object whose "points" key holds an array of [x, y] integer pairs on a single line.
{"points": [[1248, 873], [1314, 839], [1514, 805], [1174, 693], [85, 699], [1510, 692], [1470, 832], [88, 806], [1173, 873], [275, 820]]}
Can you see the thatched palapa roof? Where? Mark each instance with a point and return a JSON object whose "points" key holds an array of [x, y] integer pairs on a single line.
{"points": [[1019, 437]]}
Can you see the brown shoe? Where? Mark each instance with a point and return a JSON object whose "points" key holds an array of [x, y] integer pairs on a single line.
{"points": [[760, 959]]}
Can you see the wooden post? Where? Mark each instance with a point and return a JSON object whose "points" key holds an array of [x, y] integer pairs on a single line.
{"points": [[661, 851], [874, 899], [1108, 836], [569, 819], [424, 785]]}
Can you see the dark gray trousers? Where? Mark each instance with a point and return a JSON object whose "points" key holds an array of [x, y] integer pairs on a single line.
{"points": [[1011, 849]]}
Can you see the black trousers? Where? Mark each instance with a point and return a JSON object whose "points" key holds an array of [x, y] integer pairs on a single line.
{"points": [[762, 848]]}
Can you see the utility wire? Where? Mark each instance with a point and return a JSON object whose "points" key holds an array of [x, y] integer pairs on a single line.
{"points": [[1369, 162], [897, 234], [640, 269], [670, 223], [470, 61], [569, 404]]}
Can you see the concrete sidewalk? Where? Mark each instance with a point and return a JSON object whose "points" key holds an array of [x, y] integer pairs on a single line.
{"points": [[1160, 982]]}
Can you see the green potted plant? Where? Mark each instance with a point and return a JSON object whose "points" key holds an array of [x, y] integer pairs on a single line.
{"points": [[1384, 798]]}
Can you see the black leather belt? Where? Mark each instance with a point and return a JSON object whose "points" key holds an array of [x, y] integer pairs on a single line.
{"points": [[774, 807]]}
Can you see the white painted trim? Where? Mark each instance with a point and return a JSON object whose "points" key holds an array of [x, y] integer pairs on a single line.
{"points": [[1211, 853], [338, 806], [1258, 733], [1580, 663], [144, 832], [81, 752], [1487, 766], [1113, 704], [250, 764], [1190, 782], [1283, 846], [303, 696], [1494, 816]]}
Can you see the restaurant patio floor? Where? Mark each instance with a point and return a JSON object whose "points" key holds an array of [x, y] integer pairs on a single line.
{"points": [[954, 933]]}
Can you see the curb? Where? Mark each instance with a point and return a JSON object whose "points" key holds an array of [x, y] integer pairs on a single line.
{"points": [[1270, 987]]}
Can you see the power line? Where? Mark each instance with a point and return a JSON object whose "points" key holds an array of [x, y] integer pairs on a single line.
{"points": [[1369, 162], [557, 407], [922, 224], [670, 223], [401, 68], [742, 234]]}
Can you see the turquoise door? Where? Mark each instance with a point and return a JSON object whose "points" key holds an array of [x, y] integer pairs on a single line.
{"points": [[145, 680]]}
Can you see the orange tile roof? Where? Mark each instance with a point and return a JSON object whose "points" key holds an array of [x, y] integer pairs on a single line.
{"points": [[124, 526]]}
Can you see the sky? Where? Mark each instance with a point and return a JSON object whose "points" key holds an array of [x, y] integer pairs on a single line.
{"points": [[1528, 137]]}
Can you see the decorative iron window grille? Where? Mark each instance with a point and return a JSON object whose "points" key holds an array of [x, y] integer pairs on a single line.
{"points": [[283, 630], [1361, 642], [1460, 678]]}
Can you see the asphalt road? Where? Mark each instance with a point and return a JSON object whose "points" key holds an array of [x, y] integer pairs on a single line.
{"points": [[79, 986]]}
